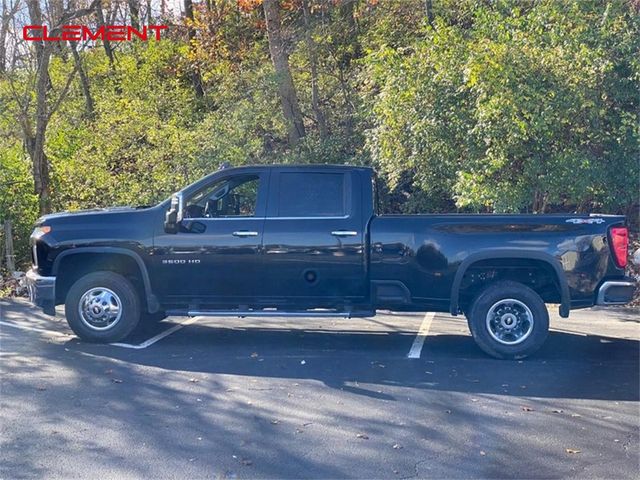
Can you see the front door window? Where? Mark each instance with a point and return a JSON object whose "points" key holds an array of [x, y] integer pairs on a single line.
{"points": [[230, 197]]}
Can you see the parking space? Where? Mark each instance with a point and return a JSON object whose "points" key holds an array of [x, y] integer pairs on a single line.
{"points": [[397, 395]]}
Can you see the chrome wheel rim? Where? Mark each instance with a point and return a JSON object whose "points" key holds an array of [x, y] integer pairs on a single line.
{"points": [[509, 321], [100, 308]]}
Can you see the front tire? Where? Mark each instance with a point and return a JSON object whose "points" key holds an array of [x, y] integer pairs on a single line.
{"points": [[102, 307], [508, 320]]}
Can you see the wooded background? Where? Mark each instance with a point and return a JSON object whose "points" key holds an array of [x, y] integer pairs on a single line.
{"points": [[461, 105]]}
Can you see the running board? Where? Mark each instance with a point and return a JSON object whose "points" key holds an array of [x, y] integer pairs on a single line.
{"points": [[276, 313]]}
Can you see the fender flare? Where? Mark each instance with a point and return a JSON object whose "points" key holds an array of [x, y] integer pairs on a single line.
{"points": [[152, 302], [565, 298]]}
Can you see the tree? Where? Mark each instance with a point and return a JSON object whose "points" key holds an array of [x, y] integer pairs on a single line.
{"points": [[6, 15], [34, 136], [527, 110], [279, 57], [196, 79], [313, 64]]}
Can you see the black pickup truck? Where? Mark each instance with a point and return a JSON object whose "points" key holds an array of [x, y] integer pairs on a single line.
{"points": [[308, 241]]}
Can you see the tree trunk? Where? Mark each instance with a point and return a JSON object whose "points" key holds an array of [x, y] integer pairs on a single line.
{"points": [[106, 43], [352, 48], [39, 158], [196, 78], [6, 15], [8, 241], [134, 11], [34, 141], [428, 7], [313, 61], [286, 89], [84, 82]]}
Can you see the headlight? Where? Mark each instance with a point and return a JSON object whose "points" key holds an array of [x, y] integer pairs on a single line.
{"points": [[41, 230]]}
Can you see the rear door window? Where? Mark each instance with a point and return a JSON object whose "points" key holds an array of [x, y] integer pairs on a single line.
{"points": [[302, 194]]}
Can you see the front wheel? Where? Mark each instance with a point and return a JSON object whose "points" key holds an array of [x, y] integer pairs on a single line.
{"points": [[508, 320], [102, 307]]}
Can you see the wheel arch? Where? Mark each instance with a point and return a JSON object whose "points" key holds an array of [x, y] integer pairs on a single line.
{"points": [[119, 260], [502, 254]]}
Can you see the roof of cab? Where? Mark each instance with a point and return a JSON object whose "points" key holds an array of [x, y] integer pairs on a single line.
{"points": [[314, 166]]}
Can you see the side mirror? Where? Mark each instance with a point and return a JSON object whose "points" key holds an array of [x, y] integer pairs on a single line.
{"points": [[174, 215]]}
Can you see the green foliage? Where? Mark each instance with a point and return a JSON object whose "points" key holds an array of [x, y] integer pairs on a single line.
{"points": [[17, 200], [518, 111]]}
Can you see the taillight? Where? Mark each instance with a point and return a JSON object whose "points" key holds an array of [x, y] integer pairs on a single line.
{"points": [[620, 245]]}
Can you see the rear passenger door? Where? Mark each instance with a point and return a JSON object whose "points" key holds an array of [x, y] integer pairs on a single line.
{"points": [[313, 241]]}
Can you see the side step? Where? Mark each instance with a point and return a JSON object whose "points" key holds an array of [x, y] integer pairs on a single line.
{"points": [[278, 313]]}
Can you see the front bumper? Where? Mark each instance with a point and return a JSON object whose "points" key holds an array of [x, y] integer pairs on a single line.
{"points": [[42, 291], [616, 292]]}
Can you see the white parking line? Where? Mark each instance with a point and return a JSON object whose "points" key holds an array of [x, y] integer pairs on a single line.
{"points": [[416, 348], [145, 344], [160, 336]]}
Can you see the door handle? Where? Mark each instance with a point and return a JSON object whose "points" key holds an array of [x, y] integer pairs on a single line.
{"points": [[245, 233], [344, 233]]}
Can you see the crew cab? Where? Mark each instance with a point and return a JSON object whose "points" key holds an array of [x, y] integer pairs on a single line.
{"points": [[308, 241]]}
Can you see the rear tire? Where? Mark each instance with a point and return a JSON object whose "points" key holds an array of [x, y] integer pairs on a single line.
{"points": [[508, 320], [102, 307]]}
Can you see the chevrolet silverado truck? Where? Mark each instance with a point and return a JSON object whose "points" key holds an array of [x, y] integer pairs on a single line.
{"points": [[308, 241]]}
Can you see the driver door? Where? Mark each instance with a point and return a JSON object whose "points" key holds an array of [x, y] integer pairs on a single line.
{"points": [[214, 259]]}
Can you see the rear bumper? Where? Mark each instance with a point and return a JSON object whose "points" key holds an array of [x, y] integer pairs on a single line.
{"points": [[616, 292], [42, 291]]}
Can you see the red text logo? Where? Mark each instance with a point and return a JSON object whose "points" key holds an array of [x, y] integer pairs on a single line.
{"points": [[76, 33]]}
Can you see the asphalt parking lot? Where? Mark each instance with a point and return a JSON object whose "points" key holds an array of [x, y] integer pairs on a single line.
{"points": [[318, 398]]}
